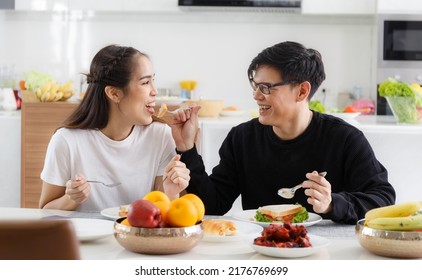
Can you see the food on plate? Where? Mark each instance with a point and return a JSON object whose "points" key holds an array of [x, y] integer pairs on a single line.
{"points": [[286, 213], [219, 227], [231, 108], [163, 110], [123, 210], [404, 216], [284, 236], [144, 213]]}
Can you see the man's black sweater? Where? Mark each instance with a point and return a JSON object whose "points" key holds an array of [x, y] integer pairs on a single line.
{"points": [[255, 163]]}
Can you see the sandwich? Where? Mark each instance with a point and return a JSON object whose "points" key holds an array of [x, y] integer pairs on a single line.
{"points": [[285, 213]]}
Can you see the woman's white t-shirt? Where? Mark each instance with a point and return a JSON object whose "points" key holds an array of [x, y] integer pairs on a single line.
{"points": [[134, 162]]}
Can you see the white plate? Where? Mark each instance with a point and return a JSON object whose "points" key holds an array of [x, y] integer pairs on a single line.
{"points": [[232, 113], [112, 213], [317, 243], [244, 229], [346, 116], [92, 229], [248, 216]]}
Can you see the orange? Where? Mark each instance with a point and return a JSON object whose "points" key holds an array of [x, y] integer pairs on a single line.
{"points": [[155, 196], [164, 207], [161, 200], [200, 207], [125, 222], [182, 213]]}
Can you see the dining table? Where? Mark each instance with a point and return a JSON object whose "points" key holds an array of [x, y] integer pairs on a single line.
{"points": [[343, 244]]}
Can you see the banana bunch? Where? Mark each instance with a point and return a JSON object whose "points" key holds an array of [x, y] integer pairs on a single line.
{"points": [[52, 91], [403, 217]]}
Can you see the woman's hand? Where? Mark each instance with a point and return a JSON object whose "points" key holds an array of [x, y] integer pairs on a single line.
{"points": [[176, 177], [78, 190], [319, 191], [185, 128]]}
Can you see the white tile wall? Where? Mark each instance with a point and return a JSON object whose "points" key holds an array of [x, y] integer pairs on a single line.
{"points": [[213, 48]]}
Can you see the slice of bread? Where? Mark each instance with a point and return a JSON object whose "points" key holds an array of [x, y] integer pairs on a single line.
{"points": [[277, 212], [123, 210]]}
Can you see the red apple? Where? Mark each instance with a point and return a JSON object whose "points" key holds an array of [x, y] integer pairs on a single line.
{"points": [[144, 213]]}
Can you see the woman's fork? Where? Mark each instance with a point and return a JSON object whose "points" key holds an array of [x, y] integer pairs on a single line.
{"points": [[104, 184]]}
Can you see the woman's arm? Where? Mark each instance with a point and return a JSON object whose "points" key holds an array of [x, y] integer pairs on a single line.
{"points": [[64, 198]]}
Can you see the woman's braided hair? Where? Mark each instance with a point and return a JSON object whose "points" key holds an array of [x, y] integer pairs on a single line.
{"points": [[111, 66]]}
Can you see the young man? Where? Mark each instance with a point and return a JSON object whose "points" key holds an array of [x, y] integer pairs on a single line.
{"points": [[286, 145]]}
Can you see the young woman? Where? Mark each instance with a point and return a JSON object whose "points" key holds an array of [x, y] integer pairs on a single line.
{"points": [[111, 137]]}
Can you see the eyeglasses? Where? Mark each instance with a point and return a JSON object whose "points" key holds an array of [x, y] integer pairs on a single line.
{"points": [[266, 87]]}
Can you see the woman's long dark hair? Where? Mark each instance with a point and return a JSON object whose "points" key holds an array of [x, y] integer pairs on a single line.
{"points": [[111, 66]]}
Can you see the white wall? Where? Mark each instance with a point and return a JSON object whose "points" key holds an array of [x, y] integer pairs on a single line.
{"points": [[213, 48]]}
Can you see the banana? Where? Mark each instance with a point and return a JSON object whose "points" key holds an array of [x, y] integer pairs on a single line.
{"points": [[58, 96], [45, 96], [38, 92], [408, 223], [66, 86], [398, 210], [47, 86]]}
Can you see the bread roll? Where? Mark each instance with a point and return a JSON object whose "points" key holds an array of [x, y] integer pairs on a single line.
{"points": [[219, 227]]}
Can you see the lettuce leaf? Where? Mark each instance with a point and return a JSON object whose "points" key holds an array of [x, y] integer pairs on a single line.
{"points": [[259, 217], [301, 216]]}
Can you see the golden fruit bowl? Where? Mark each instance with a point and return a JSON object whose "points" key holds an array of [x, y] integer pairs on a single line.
{"points": [[157, 241], [390, 243]]}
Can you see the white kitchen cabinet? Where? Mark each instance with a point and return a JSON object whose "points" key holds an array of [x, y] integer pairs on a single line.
{"points": [[41, 5], [399, 7], [10, 158], [96, 5], [339, 7]]}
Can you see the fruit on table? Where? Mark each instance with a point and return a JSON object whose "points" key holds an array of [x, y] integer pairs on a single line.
{"points": [[144, 213], [161, 200], [413, 222], [398, 210], [197, 202], [182, 213]]}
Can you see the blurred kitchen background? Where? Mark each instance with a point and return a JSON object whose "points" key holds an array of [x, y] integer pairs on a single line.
{"points": [[210, 46]]}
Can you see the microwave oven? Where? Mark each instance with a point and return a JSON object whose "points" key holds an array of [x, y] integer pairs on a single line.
{"points": [[399, 51]]}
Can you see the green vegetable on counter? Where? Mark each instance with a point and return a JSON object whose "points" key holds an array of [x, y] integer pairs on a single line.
{"points": [[403, 108], [35, 79], [317, 106]]}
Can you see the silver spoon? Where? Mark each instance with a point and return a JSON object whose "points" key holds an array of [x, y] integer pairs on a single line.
{"points": [[289, 193], [104, 184]]}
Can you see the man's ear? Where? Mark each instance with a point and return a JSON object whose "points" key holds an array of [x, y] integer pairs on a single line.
{"points": [[113, 93], [304, 90]]}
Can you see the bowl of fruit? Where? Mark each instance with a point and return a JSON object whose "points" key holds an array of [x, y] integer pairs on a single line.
{"points": [[156, 225], [392, 231]]}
